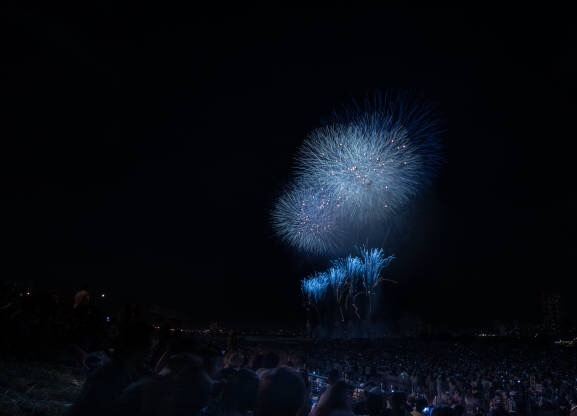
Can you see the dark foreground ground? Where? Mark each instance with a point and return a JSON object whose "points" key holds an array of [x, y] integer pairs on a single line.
{"points": [[37, 388]]}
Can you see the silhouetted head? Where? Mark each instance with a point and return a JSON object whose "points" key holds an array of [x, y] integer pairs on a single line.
{"points": [[212, 360], [333, 376], [336, 398], [281, 393], [375, 402], [81, 298], [420, 404], [256, 361], [185, 389], [398, 400], [234, 359], [270, 360], [240, 391]]}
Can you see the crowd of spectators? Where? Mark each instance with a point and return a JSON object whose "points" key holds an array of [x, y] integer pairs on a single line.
{"points": [[469, 376], [140, 369], [186, 375]]}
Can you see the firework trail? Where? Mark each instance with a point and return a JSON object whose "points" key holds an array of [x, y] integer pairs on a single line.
{"points": [[315, 288], [348, 278], [374, 262], [337, 277]]}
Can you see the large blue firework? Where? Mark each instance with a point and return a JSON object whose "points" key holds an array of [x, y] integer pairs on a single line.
{"points": [[372, 161], [358, 172]]}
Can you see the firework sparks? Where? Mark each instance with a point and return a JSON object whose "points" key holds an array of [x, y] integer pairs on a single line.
{"points": [[374, 262], [306, 219], [358, 171]]}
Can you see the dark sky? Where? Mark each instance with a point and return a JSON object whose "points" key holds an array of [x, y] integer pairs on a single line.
{"points": [[143, 150]]}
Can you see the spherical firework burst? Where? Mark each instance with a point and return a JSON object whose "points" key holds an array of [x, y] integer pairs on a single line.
{"points": [[373, 161], [306, 218], [357, 173]]}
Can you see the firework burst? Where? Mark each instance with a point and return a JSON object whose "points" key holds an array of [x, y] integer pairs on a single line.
{"points": [[307, 219], [372, 163], [358, 172], [374, 262], [315, 288]]}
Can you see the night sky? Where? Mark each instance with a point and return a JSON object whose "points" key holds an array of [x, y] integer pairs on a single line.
{"points": [[143, 151]]}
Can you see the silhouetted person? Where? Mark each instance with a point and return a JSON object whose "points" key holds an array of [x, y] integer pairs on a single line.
{"points": [[212, 360], [281, 393], [333, 376], [105, 385], [270, 360], [234, 359], [375, 403], [181, 389], [420, 405], [398, 404], [256, 361], [240, 393], [336, 400]]}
